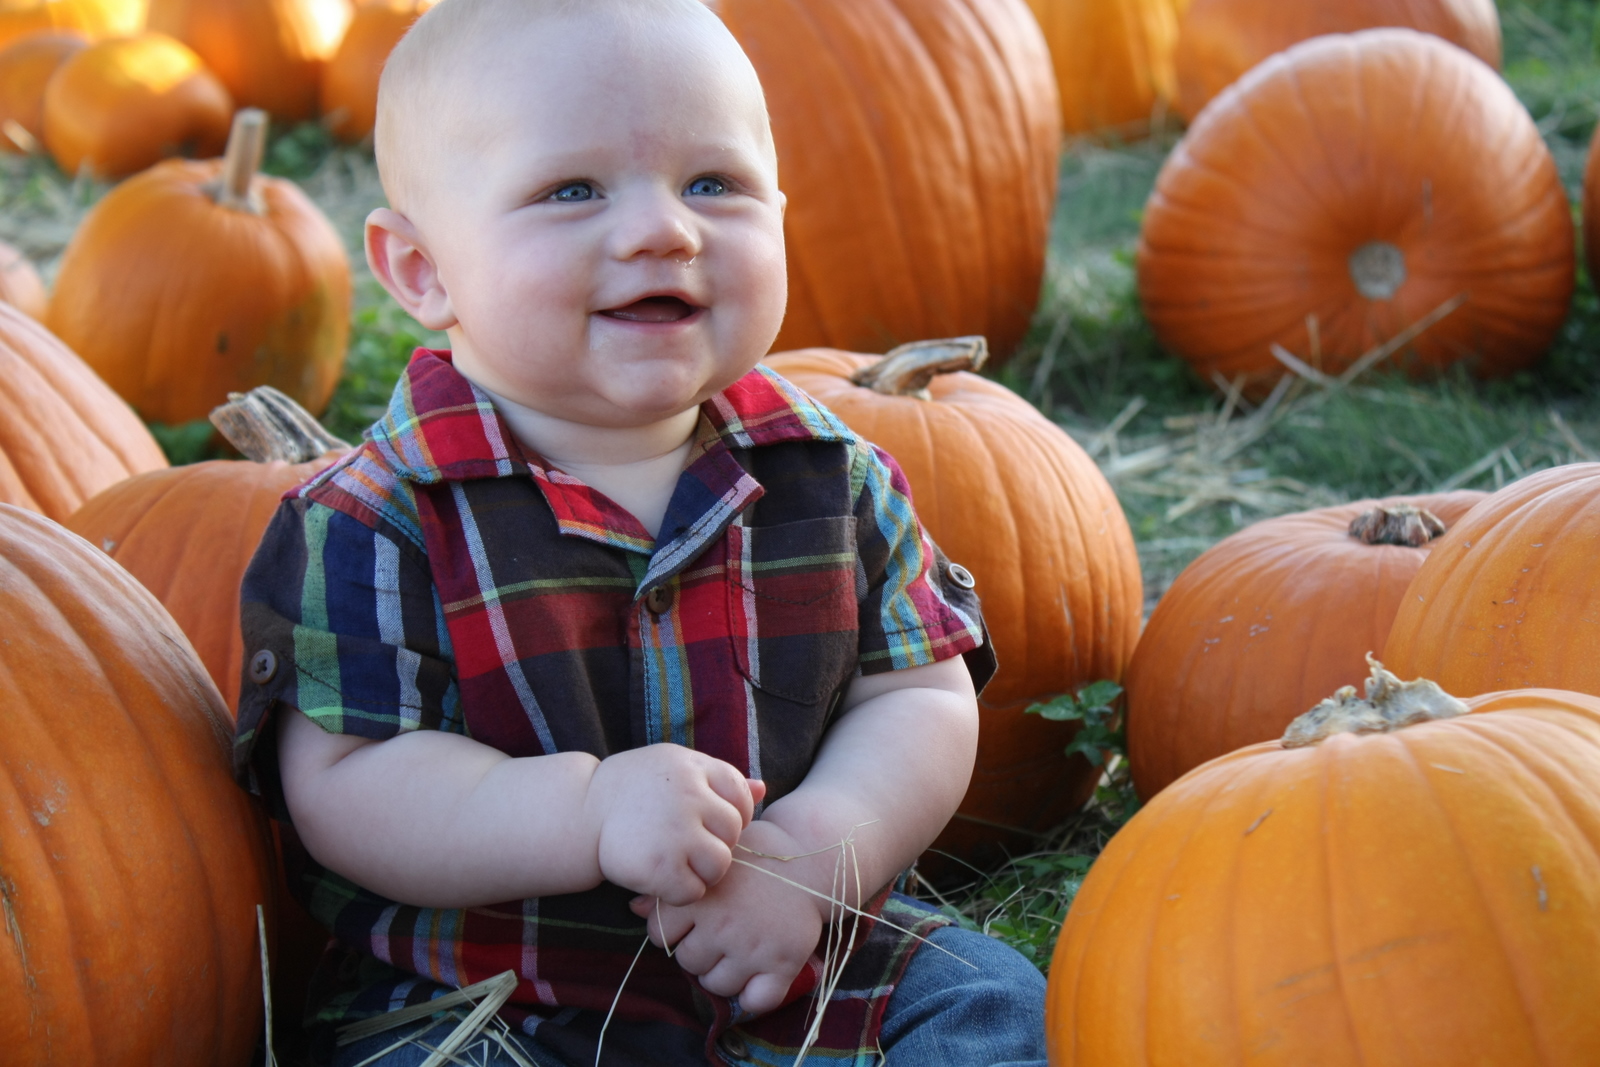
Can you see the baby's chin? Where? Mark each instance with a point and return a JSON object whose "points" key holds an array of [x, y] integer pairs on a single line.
{"points": [[642, 398]]}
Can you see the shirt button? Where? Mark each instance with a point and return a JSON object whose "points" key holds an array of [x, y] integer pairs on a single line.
{"points": [[731, 1044], [960, 576], [263, 666], [658, 599]]}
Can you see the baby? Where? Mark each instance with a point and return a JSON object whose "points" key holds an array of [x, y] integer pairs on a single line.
{"points": [[606, 631]]}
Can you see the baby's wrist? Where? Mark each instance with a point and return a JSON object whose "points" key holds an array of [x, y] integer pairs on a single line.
{"points": [[821, 870]]}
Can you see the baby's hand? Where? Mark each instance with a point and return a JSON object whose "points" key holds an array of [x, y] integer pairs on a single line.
{"points": [[665, 819], [751, 933]]}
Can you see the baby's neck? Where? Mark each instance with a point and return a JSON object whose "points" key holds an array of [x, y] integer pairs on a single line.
{"points": [[636, 466]]}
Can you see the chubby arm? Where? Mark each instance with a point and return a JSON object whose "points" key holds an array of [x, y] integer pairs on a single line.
{"points": [[890, 773], [439, 820]]}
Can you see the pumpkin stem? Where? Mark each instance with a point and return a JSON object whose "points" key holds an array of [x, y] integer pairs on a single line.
{"points": [[1397, 524], [1389, 705], [265, 425], [907, 370], [247, 141]]}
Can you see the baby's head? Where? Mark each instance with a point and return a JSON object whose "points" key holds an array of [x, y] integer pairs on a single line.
{"points": [[584, 196]]}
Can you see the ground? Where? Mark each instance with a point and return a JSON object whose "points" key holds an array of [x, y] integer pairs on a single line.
{"points": [[1188, 466]]}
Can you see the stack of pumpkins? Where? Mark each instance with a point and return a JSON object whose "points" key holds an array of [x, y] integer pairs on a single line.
{"points": [[1006, 492], [1407, 877], [112, 86]]}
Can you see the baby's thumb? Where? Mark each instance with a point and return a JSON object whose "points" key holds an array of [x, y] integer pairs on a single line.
{"points": [[758, 789]]}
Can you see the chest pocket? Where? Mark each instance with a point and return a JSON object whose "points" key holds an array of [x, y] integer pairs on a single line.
{"points": [[792, 606]]}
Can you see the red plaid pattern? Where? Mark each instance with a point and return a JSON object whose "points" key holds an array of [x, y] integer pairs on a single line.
{"points": [[441, 577]]}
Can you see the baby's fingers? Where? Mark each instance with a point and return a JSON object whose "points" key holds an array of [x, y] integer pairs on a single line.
{"points": [[763, 992], [726, 781]]}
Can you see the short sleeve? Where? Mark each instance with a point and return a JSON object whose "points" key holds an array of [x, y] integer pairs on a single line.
{"points": [[340, 620], [916, 608]]}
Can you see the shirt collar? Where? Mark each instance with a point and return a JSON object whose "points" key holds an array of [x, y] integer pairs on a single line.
{"points": [[441, 427]]}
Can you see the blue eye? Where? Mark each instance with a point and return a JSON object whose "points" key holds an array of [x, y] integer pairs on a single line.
{"points": [[707, 187], [573, 193]]}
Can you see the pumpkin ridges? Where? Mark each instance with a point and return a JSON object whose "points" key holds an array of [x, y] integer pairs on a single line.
{"points": [[1482, 201], [1514, 609], [65, 435], [913, 251], [1402, 989], [132, 840], [1257, 629], [1484, 868]]}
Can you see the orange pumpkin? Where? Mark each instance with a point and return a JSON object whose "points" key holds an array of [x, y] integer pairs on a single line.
{"points": [[918, 141], [1008, 495], [1267, 622], [26, 65], [1218, 40], [1423, 894], [94, 18], [1113, 60], [350, 80], [1305, 210], [194, 280], [124, 103], [64, 435], [1513, 600], [133, 865], [187, 533], [20, 285], [269, 53]]}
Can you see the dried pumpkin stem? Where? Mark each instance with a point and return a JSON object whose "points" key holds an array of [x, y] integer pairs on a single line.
{"points": [[265, 425], [1389, 705], [247, 142], [907, 370], [1397, 524]]}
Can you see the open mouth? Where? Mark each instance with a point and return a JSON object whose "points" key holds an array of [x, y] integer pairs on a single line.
{"points": [[653, 309]]}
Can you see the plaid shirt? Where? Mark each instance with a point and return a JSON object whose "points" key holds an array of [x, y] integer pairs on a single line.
{"points": [[440, 577]]}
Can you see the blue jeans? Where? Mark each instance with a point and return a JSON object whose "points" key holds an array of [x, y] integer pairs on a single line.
{"points": [[942, 1014]]}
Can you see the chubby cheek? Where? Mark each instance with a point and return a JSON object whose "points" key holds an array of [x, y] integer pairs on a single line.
{"points": [[765, 283]]}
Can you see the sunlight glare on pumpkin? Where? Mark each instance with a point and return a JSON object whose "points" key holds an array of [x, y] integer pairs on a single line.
{"points": [[329, 22], [156, 65]]}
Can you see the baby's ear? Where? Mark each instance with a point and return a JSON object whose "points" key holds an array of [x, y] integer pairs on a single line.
{"points": [[402, 265]]}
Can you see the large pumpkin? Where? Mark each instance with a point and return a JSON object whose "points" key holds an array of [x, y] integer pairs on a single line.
{"points": [[95, 18], [132, 864], [1513, 600], [1218, 40], [1423, 895], [194, 280], [26, 65], [1270, 620], [1113, 60], [1306, 209], [350, 80], [269, 53], [187, 533], [1009, 496], [64, 435], [125, 103], [918, 143]]}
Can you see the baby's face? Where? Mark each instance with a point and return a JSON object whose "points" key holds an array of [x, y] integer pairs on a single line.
{"points": [[606, 220]]}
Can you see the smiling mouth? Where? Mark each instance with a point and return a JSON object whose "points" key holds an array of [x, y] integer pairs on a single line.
{"points": [[653, 309]]}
